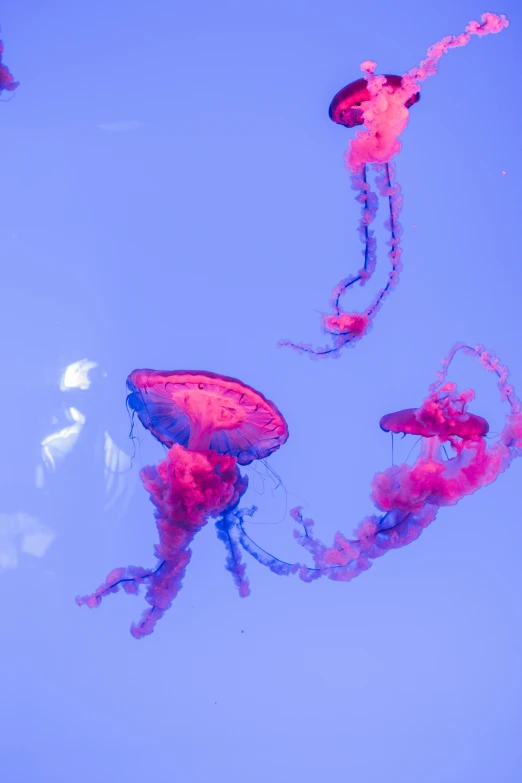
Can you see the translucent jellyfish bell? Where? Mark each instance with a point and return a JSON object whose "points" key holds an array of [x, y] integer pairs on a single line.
{"points": [[204, 410], [345, 108], [407, 422]]}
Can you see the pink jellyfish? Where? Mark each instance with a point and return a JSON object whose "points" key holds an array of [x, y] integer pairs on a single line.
{"points": [[345, 108], [412, 421], [7, 81], [210, 424], [409, 497], [381, 104]]}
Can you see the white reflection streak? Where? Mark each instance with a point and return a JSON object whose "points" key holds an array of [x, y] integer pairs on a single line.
{"points": [[76, 375], [117, 472], [22, 533], [57, 445]]}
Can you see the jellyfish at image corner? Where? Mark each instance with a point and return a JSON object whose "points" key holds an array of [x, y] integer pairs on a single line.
{"points": [[381, 104], [409, 497], [210, 424], [7, 81]]}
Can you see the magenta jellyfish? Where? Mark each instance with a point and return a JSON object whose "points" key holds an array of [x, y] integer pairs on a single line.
{"points": [[345, 108], [381, 104], [7, 81], [417, 422], [407, 497], [210, 425]]}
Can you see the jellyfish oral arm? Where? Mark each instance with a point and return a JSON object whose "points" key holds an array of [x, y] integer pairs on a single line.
{"points": [[226, 526], [7, 81], [370, 204], [187, 488], [163, 584], [200, 436]]}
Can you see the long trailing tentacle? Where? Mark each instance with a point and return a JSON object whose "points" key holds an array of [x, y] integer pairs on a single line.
{"points": [[226, 527], [390, 188], [275, 564], [347, 328], [370, 204], [162, 586]]}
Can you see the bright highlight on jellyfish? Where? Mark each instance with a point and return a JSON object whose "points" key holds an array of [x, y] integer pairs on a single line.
{"points": [[76, 375], [210, 424], [409, 497], [381, 104], [7, 81]]}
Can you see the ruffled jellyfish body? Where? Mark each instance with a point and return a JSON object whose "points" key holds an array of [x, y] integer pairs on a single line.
{"points": [[210, 424], [435, 479], [345, 108], [379, 105], [407, 422], [7, 81]]}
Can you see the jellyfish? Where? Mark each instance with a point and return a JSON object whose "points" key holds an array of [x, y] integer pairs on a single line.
{"points": [[381, 104], [7, 81], [210, 425], [408, 498]]}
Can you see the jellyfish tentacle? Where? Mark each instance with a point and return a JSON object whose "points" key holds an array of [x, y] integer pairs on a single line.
{"points": [[225, 527], [163, 584], [161, 592], [335, 571], [130, 578], [368, 215], [369, 209], [277, 566], [347, 328], [490, 363], [389, 187]]}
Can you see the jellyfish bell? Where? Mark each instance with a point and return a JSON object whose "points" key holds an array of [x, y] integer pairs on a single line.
{"points": [[408, 422], [345, 108], [203, 410]]}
